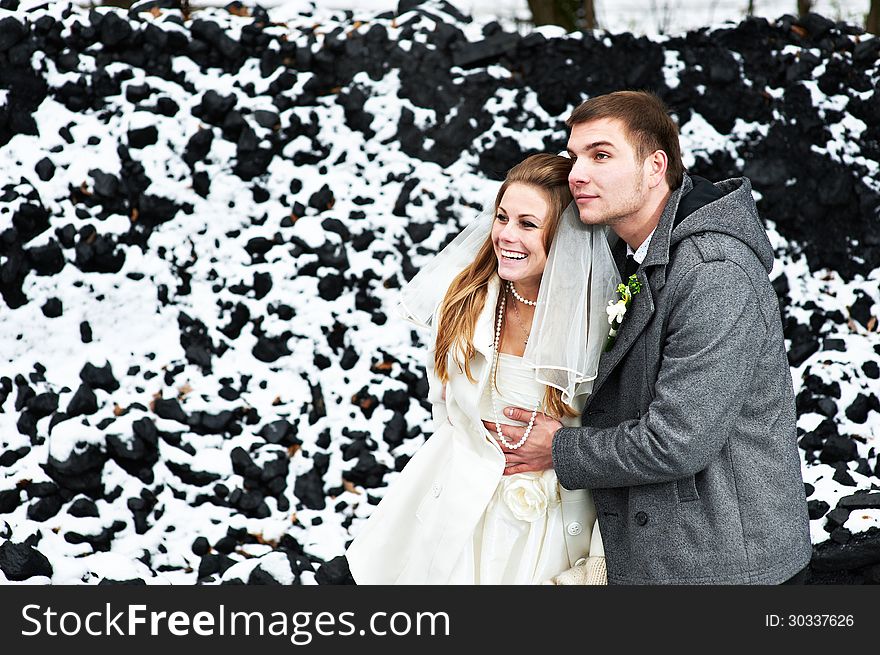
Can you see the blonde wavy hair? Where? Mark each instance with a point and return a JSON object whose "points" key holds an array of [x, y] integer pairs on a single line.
{"points": [[466, 295]]}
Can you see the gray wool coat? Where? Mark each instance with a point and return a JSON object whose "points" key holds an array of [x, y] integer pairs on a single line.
{"points": [[688, 440]]}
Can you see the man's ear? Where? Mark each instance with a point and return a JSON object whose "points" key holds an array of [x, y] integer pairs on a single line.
{"points": [[656, 165]]}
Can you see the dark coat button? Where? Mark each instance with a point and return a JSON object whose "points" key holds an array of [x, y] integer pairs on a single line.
{"points": [[641, 518]]}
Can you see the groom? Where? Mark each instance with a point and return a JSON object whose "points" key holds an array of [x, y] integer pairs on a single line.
{"points": [[688, 439]]}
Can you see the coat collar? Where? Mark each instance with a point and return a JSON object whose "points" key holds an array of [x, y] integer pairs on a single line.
{"points": [[642, 308], [658, 250], [484, 330]]}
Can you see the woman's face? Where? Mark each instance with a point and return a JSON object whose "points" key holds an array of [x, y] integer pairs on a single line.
{"points": [[518, 234]]}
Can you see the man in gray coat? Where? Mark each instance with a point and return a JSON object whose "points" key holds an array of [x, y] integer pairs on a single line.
{"points": [[688, 440]]}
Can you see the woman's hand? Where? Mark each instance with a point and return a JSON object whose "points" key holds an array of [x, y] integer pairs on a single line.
{"points": [[535, 454]]}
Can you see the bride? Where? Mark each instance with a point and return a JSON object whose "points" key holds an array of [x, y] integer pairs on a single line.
{"points": [[516, 305]]}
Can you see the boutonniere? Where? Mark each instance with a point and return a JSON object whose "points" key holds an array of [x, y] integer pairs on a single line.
{"points": [[617, 308]]}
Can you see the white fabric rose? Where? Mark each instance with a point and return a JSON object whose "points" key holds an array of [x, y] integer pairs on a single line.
{"points": [[616, 311], [529, 495]]}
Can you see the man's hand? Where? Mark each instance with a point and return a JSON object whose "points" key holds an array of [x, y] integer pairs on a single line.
{"points": [[535, 454]]}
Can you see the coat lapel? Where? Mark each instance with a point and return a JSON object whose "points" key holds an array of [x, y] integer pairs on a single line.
{"points": [[484, 330], [639, 313], [652, 276]]}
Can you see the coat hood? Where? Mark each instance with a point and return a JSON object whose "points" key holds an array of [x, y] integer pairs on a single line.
{"points": [[727, 208]]}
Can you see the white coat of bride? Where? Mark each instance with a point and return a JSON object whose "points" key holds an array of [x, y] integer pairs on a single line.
{"points": [[516, 307]]}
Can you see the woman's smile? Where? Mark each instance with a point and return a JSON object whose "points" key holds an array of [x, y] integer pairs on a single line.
{"points": [[518, 236]]}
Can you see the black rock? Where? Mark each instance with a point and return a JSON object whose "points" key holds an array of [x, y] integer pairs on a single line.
{"points": [[863, 549], [83, 507], [842, 476], [11, 32], [860, 500], [834, 344], [841, 535], [243, 465], [45, 169], [43, 404], [224, 422], [226, 545], [367, 472], [334, 572], [41, 489], [259, 576], [268, 119], [214, 107], [838, 448], [213, 34], [258, 246], [27, 424], [270, 349], [817, 509], [280, 432], [47, 259], [137, 92], [21, 561], [212, 564], [201, 183], [135, 455], [198, 146], [275, 470], [200, 546], [322, 199], [143, 137], [309, 489], [331, 286], [395, 430], [467, 54], [860, 311], [141, 508], [10, 457], [189, 476], [857, 412], [85, 332], [84, 401], [99, 378], [837, 517], [80, 472], [114, 30], [137, 582], [52, 308], [149, 5], [169, 408], [9, 500], [45, 508]]}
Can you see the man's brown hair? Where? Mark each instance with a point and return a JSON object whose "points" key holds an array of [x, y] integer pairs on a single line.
{"points": [[646, 122]]}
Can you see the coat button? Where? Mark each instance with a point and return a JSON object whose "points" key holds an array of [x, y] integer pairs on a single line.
{"points": [[436, 488], [581, 561], [574, 528], [641, 518]]}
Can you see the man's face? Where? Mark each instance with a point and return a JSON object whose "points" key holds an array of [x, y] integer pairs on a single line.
{"points": [[607, 180]]}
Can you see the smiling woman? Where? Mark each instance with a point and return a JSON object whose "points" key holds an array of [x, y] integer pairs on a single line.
{"points": [[453, 516], [518, 237]]}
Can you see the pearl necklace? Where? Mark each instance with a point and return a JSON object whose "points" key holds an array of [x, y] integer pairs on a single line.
{"points": [[530, 303], [497, 346]]}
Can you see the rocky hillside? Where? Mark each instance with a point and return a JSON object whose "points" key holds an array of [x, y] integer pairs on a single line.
{"points": [[205, 220]]}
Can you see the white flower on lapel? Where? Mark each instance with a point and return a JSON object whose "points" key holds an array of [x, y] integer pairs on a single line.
{"points": [[616, 311], [528, 495]]}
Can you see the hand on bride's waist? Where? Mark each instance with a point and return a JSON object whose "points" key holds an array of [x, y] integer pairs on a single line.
{"points": [[535, 454]]}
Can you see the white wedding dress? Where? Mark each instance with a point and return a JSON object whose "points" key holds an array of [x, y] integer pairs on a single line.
{"points": [[520, 538]]}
